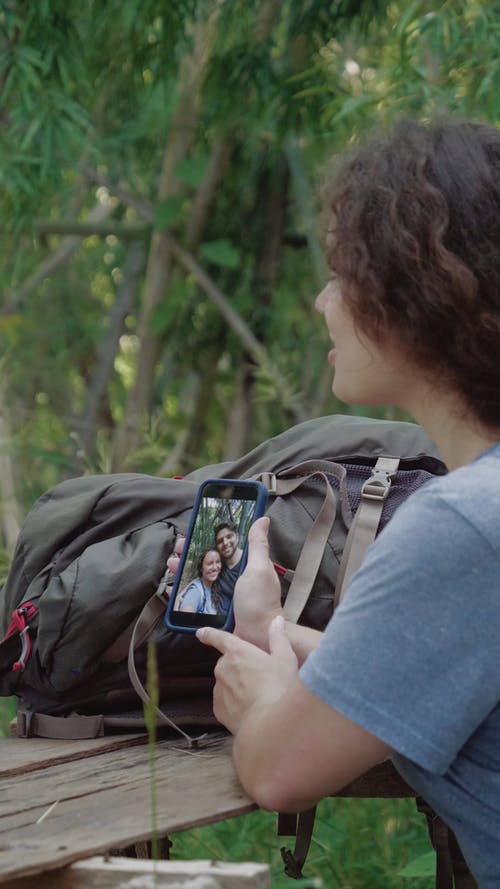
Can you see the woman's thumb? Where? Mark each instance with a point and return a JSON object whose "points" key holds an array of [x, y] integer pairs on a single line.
{"points": [[279, 642]]}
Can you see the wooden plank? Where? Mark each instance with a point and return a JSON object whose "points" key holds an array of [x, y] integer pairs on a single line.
{"points": [[21, 755], [79, 777], [105, 802], [98, 873]]}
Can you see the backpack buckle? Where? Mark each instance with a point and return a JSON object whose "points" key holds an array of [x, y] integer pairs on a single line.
{"points": [[269, 480], [23, 723], [377, 487], [20, 665], [19, 626]]}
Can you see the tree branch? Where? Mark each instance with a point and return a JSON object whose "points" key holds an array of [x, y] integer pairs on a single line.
{"points": [[256, 350], [56, 260], [123, 230]]}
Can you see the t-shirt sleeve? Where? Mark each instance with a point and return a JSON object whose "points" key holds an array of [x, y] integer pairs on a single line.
{"points": [[413, 652]]}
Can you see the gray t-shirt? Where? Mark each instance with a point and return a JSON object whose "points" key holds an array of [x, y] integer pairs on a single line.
{"points": [[413, 652]]}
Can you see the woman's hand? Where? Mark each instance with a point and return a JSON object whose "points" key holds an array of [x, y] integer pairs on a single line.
{"points": [[246, 676], [173, 562], [257, 594]]}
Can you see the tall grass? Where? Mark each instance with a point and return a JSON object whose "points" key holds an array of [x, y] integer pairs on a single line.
{"points": [[357, 844], [7, 713]]}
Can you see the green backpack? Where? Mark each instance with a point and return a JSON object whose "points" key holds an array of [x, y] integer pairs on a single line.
{"points": [[87, 583]]}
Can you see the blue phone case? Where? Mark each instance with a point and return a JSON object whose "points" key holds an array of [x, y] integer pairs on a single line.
{"points": [[213, 498]]}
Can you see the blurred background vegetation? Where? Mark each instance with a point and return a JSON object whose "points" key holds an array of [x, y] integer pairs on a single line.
{"points": [[161, 166]]}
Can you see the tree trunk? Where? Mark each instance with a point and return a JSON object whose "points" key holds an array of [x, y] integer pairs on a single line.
{"points": [[159, 267], [196, 438], [88, 422], [271, 204], [240, 416], [10, 512]]}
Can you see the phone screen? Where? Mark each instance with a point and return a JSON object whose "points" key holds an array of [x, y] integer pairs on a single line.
{"points": [[214, 554]]}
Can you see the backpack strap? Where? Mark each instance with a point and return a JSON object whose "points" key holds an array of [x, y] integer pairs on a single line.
{"points": [[77, 726], [312, 551], [301, 826], [364, 528], [362, 531], [151, 614], [74, 727], [452, 871]]}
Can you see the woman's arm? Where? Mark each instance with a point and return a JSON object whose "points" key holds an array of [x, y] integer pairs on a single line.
{"points": [[291, 748], [290, 755], [190, 598]]}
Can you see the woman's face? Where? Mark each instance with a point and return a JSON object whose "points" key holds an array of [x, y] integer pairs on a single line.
{"points": [[211, 567], [366, 372]]}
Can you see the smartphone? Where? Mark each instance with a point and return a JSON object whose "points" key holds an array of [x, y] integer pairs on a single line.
{"points": [[214, 554]]}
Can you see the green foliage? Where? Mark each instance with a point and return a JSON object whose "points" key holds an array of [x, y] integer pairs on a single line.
{"points": [[192, 169], [7, 713], [95, 93], [221, 253], [423, 866], [356, 843], [169, 212]]}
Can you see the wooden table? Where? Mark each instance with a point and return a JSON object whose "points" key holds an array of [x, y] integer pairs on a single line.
{"points": [[64, 801]]}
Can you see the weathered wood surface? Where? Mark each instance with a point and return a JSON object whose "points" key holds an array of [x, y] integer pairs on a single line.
{"points": [[63, 801], [102, 800], [20, 755], [98, 873]]}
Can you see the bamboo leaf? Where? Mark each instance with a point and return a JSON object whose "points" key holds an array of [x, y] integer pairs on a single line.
{"points": [[221, 253], [169, 212], [353, 106], [191, 170], [179, 292]]}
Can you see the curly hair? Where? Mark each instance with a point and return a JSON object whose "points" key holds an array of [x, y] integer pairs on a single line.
{"points": [[415, 243]]}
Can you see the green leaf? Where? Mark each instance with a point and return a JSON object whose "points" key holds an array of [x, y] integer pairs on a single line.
{"points": [[411, 14], [163, 316], [221, 253], [423, 866], [169, 212], [31, 132], [353, 105], [191, 170]]}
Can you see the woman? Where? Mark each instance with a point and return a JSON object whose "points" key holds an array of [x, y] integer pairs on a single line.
{"points": [[409, 666], [202, 596]]}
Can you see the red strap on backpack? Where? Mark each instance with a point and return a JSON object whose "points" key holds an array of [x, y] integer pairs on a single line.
{"points": [[20, 624]]}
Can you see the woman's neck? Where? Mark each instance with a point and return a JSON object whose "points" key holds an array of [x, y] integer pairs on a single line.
{"points": [[457, 434]]}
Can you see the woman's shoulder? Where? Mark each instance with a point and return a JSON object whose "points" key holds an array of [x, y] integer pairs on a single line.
{"points": [[195, 584], [456, 506], [464, 487]]}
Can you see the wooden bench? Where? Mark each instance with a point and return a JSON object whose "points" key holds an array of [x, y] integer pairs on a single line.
{"points": [[64, 801]]}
